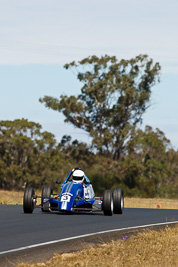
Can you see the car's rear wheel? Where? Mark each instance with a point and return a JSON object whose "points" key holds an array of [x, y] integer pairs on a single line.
{"points": [[28, 200], [118, 201], [47, 191], [107, 204]]}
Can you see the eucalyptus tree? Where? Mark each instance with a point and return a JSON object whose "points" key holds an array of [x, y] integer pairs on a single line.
{"points": [[25, 152], [114, 96]]}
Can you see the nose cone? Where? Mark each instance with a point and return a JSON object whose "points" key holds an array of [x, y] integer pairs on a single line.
{"points": [[69, 192]]}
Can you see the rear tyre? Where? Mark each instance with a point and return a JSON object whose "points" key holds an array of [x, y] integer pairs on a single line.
{"points": [[47, 191], [28, 200], [118, 201], [107, 204]]}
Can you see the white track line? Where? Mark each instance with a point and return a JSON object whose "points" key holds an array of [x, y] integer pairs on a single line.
{"points": [[82, 236]]}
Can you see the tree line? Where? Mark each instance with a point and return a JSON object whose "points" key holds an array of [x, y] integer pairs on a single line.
{"points": [[114, 96], [148, 167]]}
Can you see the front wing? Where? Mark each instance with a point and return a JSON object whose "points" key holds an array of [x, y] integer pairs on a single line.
{"points": [[80, 204]]}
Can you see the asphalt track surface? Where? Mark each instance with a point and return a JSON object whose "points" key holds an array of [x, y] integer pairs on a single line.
{"points": [[20, 230]]}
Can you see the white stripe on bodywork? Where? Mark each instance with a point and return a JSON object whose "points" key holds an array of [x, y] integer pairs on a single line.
{"points": [[69, 187], [64, 203], [85, 235]]}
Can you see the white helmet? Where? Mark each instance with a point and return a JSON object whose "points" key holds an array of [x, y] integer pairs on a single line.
{"points": [[78, 176]]}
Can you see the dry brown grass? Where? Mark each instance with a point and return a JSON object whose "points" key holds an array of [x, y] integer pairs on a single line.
{"points": [[16, 198], [151, 203], [11, 197], [150, 248], [145, 249]]}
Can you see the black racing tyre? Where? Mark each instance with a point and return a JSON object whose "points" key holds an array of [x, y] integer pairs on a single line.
{"points": [[107, 204], [47, 191], [118, 201], [28, 200]]}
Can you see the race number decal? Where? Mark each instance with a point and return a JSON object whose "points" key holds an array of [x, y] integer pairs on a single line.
{"points": [[65, 198]]}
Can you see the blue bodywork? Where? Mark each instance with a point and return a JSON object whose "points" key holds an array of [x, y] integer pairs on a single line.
{"points": [[72, 196]]}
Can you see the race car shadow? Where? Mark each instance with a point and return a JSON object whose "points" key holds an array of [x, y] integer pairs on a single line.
{"points": [[60, 213], [81, 213]]}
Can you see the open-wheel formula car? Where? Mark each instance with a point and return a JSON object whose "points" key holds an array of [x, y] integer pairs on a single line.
{"points": [[76, 195]]}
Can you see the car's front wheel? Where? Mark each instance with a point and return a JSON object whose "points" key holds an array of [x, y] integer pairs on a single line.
{"points": [[28, 200], [107, 204], [118, 201], [47, 191]]}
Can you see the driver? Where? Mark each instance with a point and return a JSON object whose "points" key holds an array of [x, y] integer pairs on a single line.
{"points": [[78, 176]]}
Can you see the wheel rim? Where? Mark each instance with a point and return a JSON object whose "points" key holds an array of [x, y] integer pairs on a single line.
{"points": [[122, 203], [112, 205]]}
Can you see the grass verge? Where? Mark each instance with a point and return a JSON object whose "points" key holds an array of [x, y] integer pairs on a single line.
{"points": [[151, 203], [11, 197], [150, 248], [16, 198]]}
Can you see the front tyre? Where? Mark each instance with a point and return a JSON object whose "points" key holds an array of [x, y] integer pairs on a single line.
{"points": [[47, 191], [118, 201], [107, 204], [28, 200]]}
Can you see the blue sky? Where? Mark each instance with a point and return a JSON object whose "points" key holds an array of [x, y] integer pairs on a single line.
{"points": [[38, 37]]}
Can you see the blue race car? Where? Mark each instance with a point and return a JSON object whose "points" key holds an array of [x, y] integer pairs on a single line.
{"points": [[77, 195]]}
